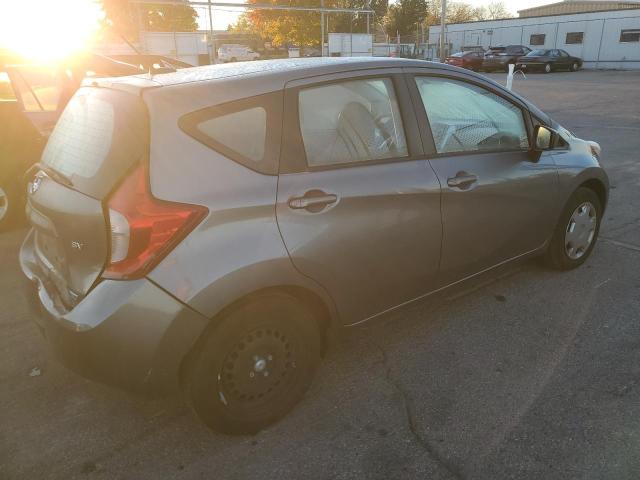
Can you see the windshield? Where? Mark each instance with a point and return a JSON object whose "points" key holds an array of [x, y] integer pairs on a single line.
{"points": [[537, 53]]}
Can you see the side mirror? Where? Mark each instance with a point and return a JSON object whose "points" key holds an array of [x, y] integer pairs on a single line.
{"points": [[543, 138]]}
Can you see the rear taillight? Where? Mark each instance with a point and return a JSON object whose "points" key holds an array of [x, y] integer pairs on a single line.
{"points": [[143, 228]]}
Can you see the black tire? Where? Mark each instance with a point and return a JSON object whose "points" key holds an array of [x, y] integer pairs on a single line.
{"points": [[548, 68], [556, 255], [11, 206], [255, 365], [574, 67]]}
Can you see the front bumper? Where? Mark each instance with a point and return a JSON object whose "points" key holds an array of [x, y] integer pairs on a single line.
{"points": [[129, 334]]}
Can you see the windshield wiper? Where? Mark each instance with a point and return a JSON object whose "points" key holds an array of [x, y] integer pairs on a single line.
{"points": [[54, 174]]}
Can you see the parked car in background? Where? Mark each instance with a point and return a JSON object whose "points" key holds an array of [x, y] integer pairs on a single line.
{"points": [[499, 58], [309, 193], [32, 97], [548, 61], [20, 145], [471, 60], [152, 63], [236, 53]]}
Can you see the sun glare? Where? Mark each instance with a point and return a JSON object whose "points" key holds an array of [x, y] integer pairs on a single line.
{"points": [[48, 30]]}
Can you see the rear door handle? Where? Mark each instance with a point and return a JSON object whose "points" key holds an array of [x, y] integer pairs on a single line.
{"points": [[462, 180], [309, 202]]}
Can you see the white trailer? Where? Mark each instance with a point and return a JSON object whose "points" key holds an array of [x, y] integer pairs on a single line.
{"points": [[184, 46], [350, 45], [605, 39]]}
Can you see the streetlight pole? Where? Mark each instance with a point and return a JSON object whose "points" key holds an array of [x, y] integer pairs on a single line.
{"points": [[443, 23], [322, 29], [212, 54]]}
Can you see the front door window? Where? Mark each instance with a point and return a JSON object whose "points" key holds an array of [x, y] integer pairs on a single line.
{"points": [[468, 118]]}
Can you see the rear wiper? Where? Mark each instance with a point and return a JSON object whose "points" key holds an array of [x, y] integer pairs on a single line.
{"points": [[54, 174]]}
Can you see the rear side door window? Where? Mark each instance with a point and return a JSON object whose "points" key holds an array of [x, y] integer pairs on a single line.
{"points": [[246, 131], [351, 121], [465, 117]]}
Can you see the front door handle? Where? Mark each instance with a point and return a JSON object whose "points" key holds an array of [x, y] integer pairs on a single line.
{"points": [[314, 201], [462, 180]]}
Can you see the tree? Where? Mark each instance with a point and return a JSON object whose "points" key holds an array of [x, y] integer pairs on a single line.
{"points": [[403, 17], [458, 12], [347, 22], [282, 27], [461, 12], [126, 18], [493, 11]]}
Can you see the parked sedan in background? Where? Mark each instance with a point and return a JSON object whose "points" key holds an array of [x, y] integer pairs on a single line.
{"points": [[32, 96], [309, 193], [499, 58], [548, 61], [470, 60]]}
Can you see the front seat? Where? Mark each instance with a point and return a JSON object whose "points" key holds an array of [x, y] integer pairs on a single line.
{"points": [[362, 135]]}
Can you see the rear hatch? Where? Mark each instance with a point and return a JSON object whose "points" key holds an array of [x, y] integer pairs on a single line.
{"points": [[101, 135]]}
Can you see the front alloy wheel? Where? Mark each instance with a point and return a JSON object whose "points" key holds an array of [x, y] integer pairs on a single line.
{"points": [[547, 68]]}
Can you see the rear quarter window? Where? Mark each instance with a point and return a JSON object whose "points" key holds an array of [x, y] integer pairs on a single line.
{"points": [[246, 131]]}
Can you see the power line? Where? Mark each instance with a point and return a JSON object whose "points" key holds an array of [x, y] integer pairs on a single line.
{"points": [[256, 6]]}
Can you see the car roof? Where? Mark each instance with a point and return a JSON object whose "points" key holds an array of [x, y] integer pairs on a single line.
{"points": [[279, 71]]}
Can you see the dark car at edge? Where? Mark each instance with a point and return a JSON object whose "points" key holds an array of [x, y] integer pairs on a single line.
{"points": [[549, 60]]}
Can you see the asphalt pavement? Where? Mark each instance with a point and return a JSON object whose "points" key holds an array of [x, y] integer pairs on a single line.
{"points": [[527, 373]]}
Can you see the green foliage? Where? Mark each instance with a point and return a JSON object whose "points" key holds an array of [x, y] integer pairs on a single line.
{"points": [[345, 22], [126, 17], [283, 27], [404, 15]]}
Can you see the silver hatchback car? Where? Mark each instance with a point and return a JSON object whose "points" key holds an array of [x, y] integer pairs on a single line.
{"points": [[202, 230]]}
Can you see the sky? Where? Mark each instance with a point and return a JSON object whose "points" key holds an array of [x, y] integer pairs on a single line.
{"points": [[223, 17]]}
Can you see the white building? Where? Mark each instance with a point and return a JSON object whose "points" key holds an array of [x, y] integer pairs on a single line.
{"points": [[603, 39]]}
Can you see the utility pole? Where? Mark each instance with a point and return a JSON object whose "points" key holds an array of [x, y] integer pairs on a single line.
{"points": [[443, 23], [212, 53], [368, 8], [322, 29]]}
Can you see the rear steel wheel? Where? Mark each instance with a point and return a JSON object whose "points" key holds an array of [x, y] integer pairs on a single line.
{"points": [[256, 365]]}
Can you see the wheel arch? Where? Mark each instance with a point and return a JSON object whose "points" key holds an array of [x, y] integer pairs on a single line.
{"points": [[598, 187]]}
